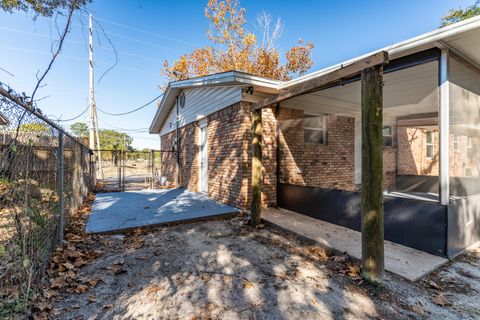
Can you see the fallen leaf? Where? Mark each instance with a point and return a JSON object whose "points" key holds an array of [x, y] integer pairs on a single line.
{"points": [[339, 258], [153, 289], [440, 299], [418, 310], [247, 285], [81, 288], [93, 282], [69, 266], [432, 284]]}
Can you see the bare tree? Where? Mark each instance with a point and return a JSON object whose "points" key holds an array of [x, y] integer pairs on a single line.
{"points": [[270, 33]]}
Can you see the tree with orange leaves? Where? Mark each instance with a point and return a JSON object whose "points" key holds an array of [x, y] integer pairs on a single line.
{"points": [[235, 48]]}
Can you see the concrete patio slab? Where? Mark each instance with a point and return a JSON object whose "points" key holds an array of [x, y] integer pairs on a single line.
{"points": [[406, 262], [119, 211]]}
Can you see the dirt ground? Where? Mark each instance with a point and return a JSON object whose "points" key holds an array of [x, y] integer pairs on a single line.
{"points": [[225, 270]]}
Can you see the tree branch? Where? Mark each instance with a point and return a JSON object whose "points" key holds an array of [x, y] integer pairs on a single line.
{"points": [[59, 48]]}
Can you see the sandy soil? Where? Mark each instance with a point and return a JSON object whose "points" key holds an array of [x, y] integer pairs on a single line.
{"points": [[224, 270]]}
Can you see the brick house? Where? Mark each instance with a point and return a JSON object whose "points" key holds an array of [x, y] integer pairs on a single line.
{"points": [[311, 143]]}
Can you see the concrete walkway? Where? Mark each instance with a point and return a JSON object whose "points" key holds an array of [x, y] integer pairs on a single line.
{"points": [[406, 262], [118, 211]]}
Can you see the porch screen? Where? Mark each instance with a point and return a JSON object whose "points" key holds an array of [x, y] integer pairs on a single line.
{"points": [[464, 129]]}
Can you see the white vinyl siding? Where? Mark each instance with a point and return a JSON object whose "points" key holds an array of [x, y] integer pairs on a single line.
{"points": [[200, 102]]}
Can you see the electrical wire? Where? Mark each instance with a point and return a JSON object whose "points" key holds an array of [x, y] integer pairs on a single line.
{"points": [[139, 130], [131, 111], [148, 32], [74, 118]]}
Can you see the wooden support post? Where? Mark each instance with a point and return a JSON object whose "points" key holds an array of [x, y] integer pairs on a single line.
{"points": [[256, 205], [372, 174], [60, 191]]}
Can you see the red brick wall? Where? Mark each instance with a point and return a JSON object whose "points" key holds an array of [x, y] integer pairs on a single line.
{"points": [[329, 166], [412, 158], [389, 168], [229, 155], [461, 164]]}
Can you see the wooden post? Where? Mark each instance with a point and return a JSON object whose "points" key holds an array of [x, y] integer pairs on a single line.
{"points": [[255, 209], [60, 191], [372, 174]]}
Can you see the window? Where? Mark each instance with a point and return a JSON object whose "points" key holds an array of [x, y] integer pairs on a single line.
{"points": [[429, 144], [314, 129], [469, 148], [468, 172], [387, 136], [456, 143]]}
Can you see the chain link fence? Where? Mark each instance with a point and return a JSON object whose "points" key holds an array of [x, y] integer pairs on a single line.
{"points": [[123, 170], [44, 176]]}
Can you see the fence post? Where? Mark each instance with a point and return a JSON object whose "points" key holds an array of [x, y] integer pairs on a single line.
{"points": [[118, 156], [82, 172], [152, 158], [61, 173]]}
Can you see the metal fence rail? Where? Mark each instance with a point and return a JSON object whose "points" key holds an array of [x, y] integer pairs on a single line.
{"points": [[44, 176]]}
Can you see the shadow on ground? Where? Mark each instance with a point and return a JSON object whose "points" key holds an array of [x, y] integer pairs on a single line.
{"points": [[220, 270]]}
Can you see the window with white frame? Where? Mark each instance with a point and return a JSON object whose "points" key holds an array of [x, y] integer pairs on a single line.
{"points": [[315, 131], [469, 147], [456, 143], [429, 144], [387, 136]]}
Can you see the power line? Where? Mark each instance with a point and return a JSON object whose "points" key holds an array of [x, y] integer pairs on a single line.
{"points": [[40, 35], [72, 58], [131, 111], [140, 130], [143, 42], [74, 118], [148, 32]]}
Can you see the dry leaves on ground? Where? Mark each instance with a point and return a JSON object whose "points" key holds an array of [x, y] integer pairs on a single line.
{"points": [[66, 262]]}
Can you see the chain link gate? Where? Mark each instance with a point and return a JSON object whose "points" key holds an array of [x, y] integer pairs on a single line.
{"points": [[121, 170]]}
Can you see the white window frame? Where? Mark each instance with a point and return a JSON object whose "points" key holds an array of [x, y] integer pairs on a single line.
{"points": [[323, 128], [469, 147], [456, 143], [428, 144], [390, 135]]}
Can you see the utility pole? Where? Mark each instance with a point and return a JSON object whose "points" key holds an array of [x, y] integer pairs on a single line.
{"points": [[93, 128], [99, 150], [92, 92]]}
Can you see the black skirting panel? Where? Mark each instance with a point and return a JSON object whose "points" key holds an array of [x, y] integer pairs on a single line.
{"points": [[415, 224]]}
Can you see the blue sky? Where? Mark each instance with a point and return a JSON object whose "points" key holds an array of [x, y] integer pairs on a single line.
{"points": [[145, 33]]}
